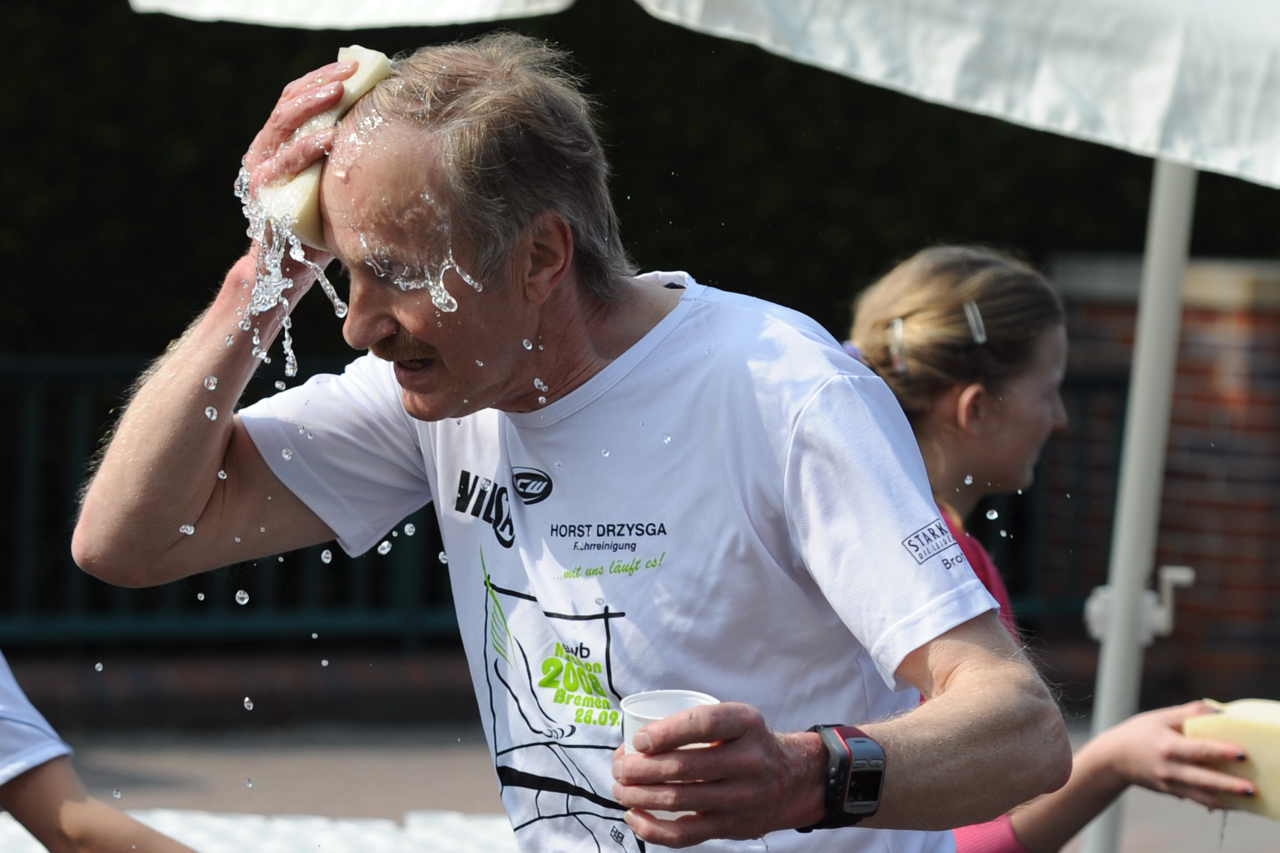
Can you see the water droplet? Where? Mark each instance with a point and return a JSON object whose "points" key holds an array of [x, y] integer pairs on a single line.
{"points": [[539, 384], [324, 661], [600, 602], [116, 793], [992, 515], [309, 435], [280, 559], [666, 439], [248, 704], [262, 530], [98, 666], [1019, 491], [479, 363], [229, 340], [528, 344], [384, 547], [604, 451], [1004, 533], [409, 529], [211, 413], [280, 386], [301, 429], [248, 783], [558, 465], [395, 533], [542, 401], [199, 596], [442, 557], [968, 479], [222, 475], [237, 538], [211, 381], [1068, 496], [242, 597], [539, 347], [326, 556], [287, 454], [188, 529]]}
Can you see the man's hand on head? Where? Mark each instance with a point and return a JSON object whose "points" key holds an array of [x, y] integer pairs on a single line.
{"points": [[748, 781]]}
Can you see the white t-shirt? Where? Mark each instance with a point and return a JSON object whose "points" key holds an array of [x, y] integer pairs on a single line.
{"points": [[26, 739], [732, 506]]}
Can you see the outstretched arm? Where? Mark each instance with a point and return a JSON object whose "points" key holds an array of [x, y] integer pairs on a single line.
{"points": [[1148, 750], [52, 804], [988, 717], [157, 508]]}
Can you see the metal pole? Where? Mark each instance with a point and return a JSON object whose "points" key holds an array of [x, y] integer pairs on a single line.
{"points": [[1146, 433]]}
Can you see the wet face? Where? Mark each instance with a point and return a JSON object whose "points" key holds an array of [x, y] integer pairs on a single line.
{"points": [[455, 341], [1025, 410]]}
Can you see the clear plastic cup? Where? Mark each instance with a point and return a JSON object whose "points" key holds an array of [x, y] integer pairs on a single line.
{"points": [[640, 709]]}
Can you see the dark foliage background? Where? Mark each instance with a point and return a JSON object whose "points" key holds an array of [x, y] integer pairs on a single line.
{"points": [[122, 133]]}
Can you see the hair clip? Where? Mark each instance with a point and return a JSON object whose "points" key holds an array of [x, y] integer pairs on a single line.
{"points": [[974, 316], [897, 346]]}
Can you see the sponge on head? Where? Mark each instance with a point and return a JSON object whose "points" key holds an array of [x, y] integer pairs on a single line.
{"points": [[1254, 724], [299, 197]]}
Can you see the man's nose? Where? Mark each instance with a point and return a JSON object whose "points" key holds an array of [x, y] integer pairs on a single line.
{"points": [[369, 318]]}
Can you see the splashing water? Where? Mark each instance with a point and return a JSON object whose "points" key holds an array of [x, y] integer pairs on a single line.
{"points": [[385, 547], [326, 556], [992, 515], [242, 597], [409, 529], [211, 382], [248, 704]]}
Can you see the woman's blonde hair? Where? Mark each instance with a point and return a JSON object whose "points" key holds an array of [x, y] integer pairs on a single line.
{"points": [[952, 315]]}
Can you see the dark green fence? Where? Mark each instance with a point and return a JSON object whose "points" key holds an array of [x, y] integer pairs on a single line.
{"points": [[1053, 551], [60, 409]]}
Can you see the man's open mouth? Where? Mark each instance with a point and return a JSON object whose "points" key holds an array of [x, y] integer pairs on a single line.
{"points": [[413, 363]]}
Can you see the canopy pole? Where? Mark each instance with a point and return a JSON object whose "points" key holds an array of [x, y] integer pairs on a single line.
{"points": [[1146, 434]]}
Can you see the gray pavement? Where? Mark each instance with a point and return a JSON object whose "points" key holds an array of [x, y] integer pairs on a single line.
{"points": [[383, 772]]}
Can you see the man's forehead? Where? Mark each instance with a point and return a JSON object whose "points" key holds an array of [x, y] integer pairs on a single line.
{"points": [[377, 193]]}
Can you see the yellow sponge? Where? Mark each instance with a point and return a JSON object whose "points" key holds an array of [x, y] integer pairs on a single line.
{"points": [[1254, 724], [299, 197]]}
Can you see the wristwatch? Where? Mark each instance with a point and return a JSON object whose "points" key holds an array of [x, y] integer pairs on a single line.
{"points": [[855, 771]]}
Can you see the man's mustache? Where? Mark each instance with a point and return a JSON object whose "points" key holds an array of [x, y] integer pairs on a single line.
{"points": [[402, 346]]}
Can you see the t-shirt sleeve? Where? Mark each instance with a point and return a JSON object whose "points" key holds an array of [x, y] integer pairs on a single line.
{"points": [[26, 739], [345, 446], [864, 522]]}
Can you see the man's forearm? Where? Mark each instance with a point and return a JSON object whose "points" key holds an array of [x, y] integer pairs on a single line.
{"points": [[971, 753], [159, 475]]}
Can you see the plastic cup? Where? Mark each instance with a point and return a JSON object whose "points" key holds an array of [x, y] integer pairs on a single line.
{"points": [[640, 709]]}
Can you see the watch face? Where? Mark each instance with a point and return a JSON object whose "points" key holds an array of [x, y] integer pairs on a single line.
{"points": [[864, 789]]}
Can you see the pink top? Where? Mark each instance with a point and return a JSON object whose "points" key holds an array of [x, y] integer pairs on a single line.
{"points": [[994, 836]]}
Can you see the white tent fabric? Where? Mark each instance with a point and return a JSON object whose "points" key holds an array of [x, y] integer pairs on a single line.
{"points": [[1190, 81], [351, 14]]}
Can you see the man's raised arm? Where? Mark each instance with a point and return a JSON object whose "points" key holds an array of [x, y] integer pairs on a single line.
{"points": [[157, 508]]}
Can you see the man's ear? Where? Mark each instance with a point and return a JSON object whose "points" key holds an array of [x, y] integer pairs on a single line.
{"points": [[547, 255], [972, 407]]}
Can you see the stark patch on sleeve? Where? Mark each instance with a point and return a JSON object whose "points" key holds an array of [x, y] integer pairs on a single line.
{"points": [[933, 538]]}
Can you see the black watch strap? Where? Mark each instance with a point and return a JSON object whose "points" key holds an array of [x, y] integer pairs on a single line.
{"points": [[855, 771]]}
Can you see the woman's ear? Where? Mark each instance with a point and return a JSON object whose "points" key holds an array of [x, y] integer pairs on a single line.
{"points": [[972, 408]]}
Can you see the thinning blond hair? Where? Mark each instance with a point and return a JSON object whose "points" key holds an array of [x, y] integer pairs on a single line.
{"points": [[938, 348], [517, 138]]}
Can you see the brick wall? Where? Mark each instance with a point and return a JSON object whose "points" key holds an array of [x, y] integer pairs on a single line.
{"points": [[1220, 510]]}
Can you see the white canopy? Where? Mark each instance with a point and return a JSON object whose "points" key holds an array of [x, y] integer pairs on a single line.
{"points": [[1191, 81]]}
